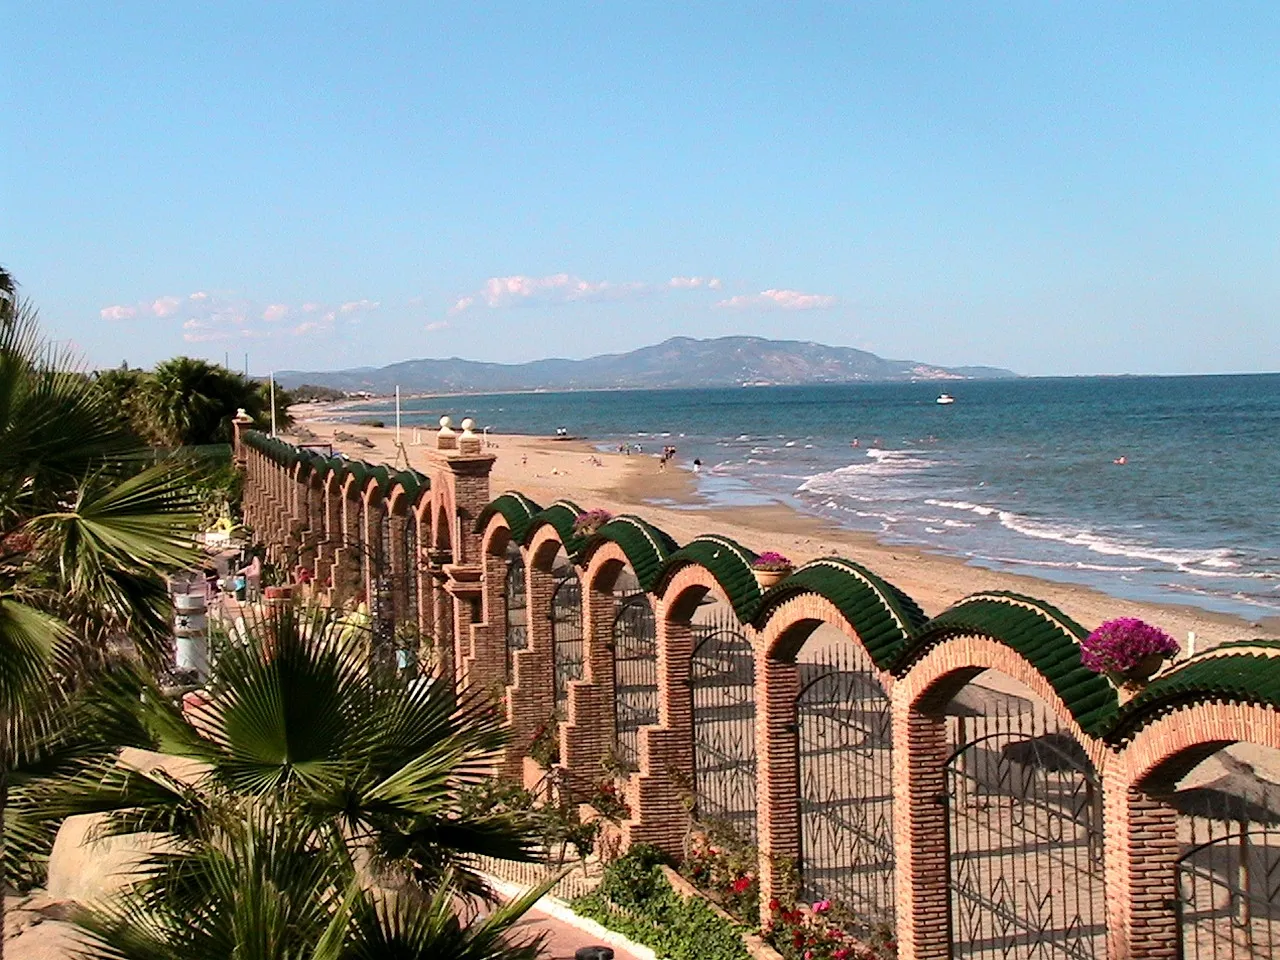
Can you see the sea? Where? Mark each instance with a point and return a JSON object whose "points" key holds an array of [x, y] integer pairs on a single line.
{"points": [[1149, 488]]}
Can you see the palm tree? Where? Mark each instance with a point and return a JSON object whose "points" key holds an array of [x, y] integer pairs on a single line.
{"points": [[192, 401], [86, 537], [311, 765]]}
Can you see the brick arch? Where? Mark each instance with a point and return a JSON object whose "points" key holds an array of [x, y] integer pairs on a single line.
{"points": [[922, 752], [659, 814], [590, 729], [1142, 828], [956, 661]]}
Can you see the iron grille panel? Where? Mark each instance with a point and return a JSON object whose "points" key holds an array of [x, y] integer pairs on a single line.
{"points": [[1025, 838], [566, 634], [1229, 872], [517, 606], [722, 676], [635, 674], [845, 738]]}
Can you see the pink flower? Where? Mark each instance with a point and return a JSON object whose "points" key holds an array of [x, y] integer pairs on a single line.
{"points": [[821, 906]]}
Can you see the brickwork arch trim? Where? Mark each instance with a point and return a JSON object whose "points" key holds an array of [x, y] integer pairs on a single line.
{"points": [[1240, 672], [560, 516], [515, 508], [1040, 635], [495, 535], [727, 562], [883, 617], [646, 547], [953, 663]]}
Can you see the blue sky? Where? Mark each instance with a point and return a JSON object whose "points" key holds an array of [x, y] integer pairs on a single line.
{"points": [[1057, 188]]}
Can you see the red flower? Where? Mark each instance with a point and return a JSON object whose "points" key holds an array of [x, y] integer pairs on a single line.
{"points": [[741, 884], [774, 905]]}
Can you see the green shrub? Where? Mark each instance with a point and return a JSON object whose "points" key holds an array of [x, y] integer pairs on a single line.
{"points": [[636, 900]]}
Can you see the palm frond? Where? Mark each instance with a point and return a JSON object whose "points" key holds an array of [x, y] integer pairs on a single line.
{"points": [[29, 641]]}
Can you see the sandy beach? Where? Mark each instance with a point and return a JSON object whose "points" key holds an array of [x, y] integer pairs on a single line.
{"points": [[550, 468]]}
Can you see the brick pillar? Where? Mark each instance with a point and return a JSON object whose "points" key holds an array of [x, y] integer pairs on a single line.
{"points": [[1142, 850], [486, 665], [590, 731], [920, 751], [777, 796], [660, 790], [531, 696]]}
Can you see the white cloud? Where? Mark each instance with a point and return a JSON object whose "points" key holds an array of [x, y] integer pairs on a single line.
{"points": [[694, 283], [165, 306], [359, 306], [462, 303], [437, 325], [198, 295], [276, 311], [779, 300], [118, 312]]}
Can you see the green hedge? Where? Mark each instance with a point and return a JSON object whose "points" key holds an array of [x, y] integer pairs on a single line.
{"points": [[636, 900]]}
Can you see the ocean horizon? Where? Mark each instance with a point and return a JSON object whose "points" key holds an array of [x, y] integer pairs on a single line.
{"points": [[1151, 488]]}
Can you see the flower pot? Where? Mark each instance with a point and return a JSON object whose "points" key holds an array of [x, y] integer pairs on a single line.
{"points": [[1137, 676], [770, 578]]}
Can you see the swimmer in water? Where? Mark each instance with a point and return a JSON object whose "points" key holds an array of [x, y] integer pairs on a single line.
{"points": [[1120, 461], [856, 443]]}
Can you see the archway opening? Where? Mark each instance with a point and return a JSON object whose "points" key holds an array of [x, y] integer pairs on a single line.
{"points": [[844, 734], [634, 641], [1025, 829], [1228, 870], [722, 680], [516, 604]]}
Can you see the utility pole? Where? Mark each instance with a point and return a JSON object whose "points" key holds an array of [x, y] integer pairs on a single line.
{"points": [[273, 401]]}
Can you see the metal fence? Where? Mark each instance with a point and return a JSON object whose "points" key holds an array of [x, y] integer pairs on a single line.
{"points": [[635, 674], [566, 633], [722, 676], [1025, 834], [1229, 872], [515, 594], [843, 729]]}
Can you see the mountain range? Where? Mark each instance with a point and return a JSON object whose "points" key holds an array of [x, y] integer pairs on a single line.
{"points": [[678, 362]]}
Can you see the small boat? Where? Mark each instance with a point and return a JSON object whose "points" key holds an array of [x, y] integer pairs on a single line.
{"points": [[946, 398]]}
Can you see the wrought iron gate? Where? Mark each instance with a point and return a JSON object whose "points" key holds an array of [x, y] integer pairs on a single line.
{"points": [[635, 674], [516, 597], [566, 634], [844, 733], [722, 676], [411, 564], [1229, 876], [1025, 841]]}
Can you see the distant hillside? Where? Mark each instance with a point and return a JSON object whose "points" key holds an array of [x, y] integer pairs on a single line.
{"points": [[678, 362]]}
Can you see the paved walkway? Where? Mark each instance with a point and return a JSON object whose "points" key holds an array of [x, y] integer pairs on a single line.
{"points": [[563, 939]]}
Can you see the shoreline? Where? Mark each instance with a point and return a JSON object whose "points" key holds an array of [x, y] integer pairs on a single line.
{"points": [[549, 468]]}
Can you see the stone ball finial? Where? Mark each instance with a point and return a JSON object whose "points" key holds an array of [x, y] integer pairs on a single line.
{"points": [[468, 427], [446, 422], [241, 416]]}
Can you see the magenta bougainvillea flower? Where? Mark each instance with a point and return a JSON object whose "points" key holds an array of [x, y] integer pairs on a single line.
{"points": [[771, 560], [1119, 645], [591, 521]]}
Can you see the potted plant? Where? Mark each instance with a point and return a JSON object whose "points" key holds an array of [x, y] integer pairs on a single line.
{"points": [[1127, 650], [586, 524], [770, 567]]}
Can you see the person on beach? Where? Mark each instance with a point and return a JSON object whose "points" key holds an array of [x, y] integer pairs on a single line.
{"points": [[697, 465]]}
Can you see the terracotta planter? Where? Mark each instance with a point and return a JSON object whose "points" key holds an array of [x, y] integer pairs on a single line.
{"points": [[1140, 672], [770, 578]]}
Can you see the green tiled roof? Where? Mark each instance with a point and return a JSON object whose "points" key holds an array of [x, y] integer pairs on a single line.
{"points": [[1044, 635], [883, 615], [728, 562], [516, 508], [560, 515], [647, 548], [1244, 671], [412, 481]]}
